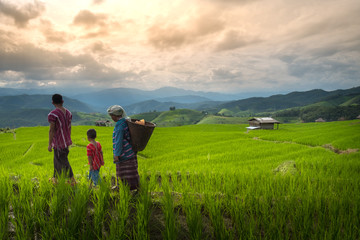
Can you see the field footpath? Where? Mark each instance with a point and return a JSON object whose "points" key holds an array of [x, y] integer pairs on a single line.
{"points": [[28, 150], [326, 146]]}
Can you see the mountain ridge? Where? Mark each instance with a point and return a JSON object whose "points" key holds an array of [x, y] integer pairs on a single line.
{"points": [[39, 101], [283, 101], [13, 108]]}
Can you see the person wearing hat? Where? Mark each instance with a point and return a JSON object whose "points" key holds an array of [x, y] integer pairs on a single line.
{"points": [[124, 156]]}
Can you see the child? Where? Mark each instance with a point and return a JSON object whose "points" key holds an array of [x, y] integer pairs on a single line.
{"points": [[95, 157]]}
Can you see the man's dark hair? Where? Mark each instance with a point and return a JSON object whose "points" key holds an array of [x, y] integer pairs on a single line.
{"points": [[57, 99], [91, 133]]}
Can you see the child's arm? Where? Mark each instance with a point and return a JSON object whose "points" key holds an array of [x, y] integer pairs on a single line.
{"points": [[102, 157], [90, 162]]}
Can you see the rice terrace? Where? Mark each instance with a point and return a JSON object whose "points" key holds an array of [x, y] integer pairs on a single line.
{"points": [[204, 181]]}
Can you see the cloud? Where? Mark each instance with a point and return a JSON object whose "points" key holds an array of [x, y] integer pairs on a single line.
{"points": [[168, 37], [227, 3], [329, 72], [98, 2], [101, 48], [231, 1], [226, 75], [53, 36], [234, 39], [35, 64], [22, 15], [88, 19], [207, 23], [178, 34], [95, 25]]}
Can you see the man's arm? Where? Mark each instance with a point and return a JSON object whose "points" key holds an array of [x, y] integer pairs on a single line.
{"points": [[90, 162], [51, 135]]}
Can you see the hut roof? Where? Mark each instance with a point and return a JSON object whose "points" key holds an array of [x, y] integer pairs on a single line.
{"points": [[264, 120], [319, 120]]}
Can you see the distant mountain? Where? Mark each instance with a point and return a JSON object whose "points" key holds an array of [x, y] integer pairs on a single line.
{"points": [[128, 96], [101, 99], [212, 96], [184, 99], [32, 110], [11, 91], [153, 105], [339, 100], [45, 90], [23, 118], [279, 102], [38, 117], [9, 103]]}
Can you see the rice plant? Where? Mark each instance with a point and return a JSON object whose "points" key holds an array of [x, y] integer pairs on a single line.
{"points": [[193, 215], [80, 198], [168, 208], [121, 213], [22, 203], [5, 199], [143, 211], [214, 208], [100, 198]]}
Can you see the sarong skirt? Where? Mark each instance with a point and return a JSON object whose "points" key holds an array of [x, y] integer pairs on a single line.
{"points": [[127, 171]]}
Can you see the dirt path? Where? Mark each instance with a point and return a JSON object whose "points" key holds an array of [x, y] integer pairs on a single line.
{"points": [[26, 152], [326, 146]]}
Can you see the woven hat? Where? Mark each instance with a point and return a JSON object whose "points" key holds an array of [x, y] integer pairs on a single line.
{"points": [[116, 110]]}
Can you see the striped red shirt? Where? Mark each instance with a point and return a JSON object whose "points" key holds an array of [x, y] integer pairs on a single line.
{"points": [[62, 137], [95, 154]]}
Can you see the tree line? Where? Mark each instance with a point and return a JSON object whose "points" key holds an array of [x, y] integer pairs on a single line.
{"points": [[311, 113]]}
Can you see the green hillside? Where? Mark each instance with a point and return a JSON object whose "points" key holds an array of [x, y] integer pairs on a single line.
{"points": [[339, 100], [352, 101], [312, 112], [226, 112], [178, 117], [80, 118], [275, 103], [148, 116], [212, 119]]}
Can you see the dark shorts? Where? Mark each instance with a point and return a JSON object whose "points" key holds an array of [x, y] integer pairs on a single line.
{"points": [[61, 163], [127, 171]]}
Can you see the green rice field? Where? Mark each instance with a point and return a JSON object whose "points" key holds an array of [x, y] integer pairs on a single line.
{"points": [[206, 181]]}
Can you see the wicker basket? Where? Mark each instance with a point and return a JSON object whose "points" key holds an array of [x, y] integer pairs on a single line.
{"points": [[140, 134]]}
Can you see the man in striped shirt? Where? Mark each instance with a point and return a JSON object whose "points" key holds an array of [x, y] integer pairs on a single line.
{"points": [[59, 137]]}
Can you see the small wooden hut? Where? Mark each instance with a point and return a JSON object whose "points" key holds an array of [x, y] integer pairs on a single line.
{"points": [[102, 123], [263, 123], [319, 120]]}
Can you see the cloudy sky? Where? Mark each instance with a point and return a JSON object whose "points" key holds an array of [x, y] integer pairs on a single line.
{"points": [[204, 45]]}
